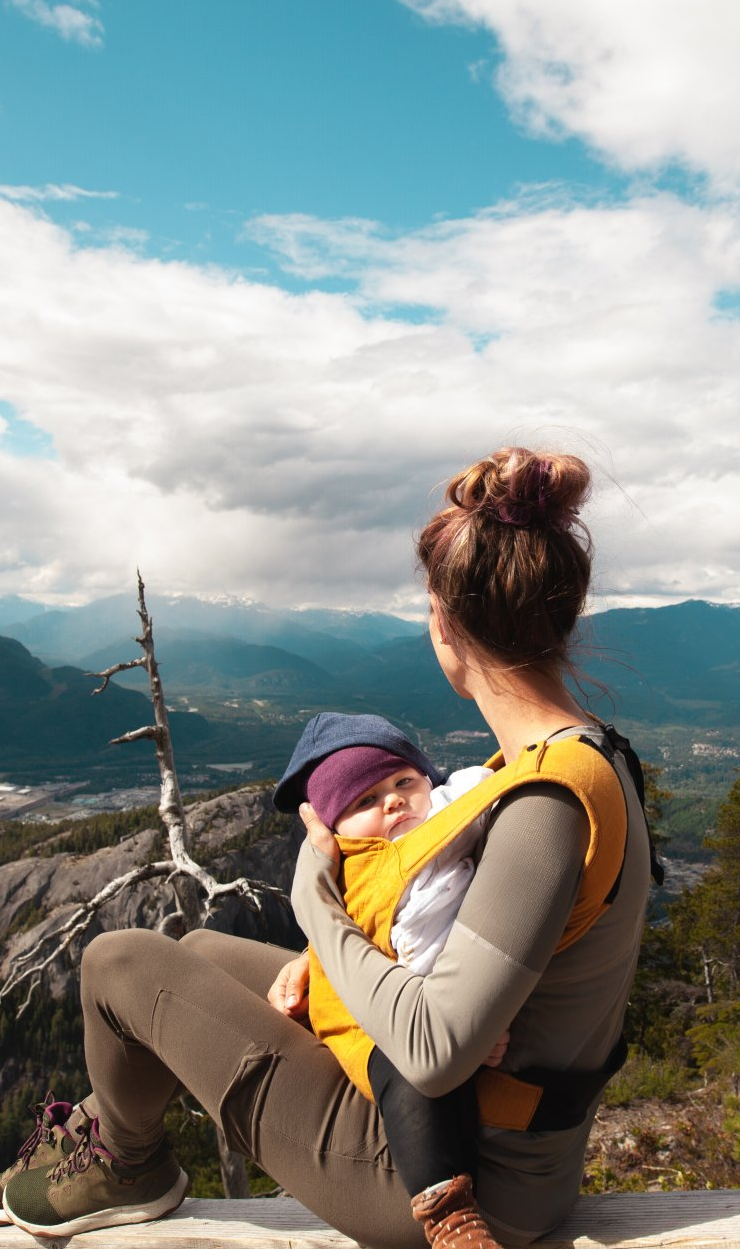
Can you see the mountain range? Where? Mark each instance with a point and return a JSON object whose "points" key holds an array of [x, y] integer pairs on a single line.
{"points": [[47, 716], [71, 635], [242, 676]]}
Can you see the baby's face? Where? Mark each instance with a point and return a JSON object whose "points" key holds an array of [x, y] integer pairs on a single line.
{"points": [[389, 808]]}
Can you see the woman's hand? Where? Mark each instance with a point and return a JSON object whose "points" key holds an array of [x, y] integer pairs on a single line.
{"points": [[498, 1051], [318, 834], [316, 871], [289, 991]]}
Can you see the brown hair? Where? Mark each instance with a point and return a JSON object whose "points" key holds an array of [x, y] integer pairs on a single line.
{"points": [[508, 560]]}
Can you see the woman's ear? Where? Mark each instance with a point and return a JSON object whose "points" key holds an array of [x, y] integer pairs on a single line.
{"points": [[450, 659], [435, 621]]}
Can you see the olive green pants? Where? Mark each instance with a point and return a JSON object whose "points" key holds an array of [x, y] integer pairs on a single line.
{"points": [[160, 1014]]}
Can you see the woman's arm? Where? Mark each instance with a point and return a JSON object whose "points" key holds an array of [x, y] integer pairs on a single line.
{"points": [[439, 1028]]}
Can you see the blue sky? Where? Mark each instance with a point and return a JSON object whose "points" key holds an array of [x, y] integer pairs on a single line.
{"points": [[275, 268], [200, 116]]}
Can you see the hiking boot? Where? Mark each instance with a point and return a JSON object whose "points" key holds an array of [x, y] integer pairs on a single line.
{"points": [[90, 1188], [450, 1215], [51, 1140]]}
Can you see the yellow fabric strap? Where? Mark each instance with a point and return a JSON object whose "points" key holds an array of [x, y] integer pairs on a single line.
{"points": [[375, 873]]}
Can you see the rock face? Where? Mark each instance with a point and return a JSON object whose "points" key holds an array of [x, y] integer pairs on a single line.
{"points": [[236, 834]]}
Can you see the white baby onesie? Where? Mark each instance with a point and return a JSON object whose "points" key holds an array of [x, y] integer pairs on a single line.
{"points": [[430, 904]]}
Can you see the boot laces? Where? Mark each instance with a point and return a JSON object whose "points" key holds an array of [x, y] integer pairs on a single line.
{"points": [[42, 1131], [88, 1150]]}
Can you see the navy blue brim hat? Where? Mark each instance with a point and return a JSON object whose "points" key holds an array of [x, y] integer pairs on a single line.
{"points": [[330, 731]]}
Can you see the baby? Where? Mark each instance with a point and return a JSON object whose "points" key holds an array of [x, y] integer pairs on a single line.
{"points": [[367, 781]]}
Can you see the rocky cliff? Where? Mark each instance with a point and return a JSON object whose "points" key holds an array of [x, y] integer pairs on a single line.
{"points": [[235, 834]]}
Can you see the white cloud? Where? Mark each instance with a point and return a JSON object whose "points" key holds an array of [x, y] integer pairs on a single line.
{"points": [[601, 322], [314, 248], [51, 192], [229, 436], [67, 20], [643, 83], [123, 236]]}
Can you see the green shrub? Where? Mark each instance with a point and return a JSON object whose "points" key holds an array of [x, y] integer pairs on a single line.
{"points": [[601, 1178], [643, 1076]]}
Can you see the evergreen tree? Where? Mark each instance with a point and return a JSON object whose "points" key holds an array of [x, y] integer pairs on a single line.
{"points": [[705, 927], [706, 922], [655, 798], [661, 1005]]}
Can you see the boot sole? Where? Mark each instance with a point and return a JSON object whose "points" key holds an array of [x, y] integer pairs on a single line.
{"points": [[115, 1216]]}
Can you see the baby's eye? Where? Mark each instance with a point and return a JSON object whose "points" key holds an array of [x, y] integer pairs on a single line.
{"points": [[365, 801], [405, 780]]}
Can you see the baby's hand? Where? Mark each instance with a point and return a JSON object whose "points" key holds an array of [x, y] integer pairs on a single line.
{"points": [[289, 991], [318, 834], [498, 1051]]}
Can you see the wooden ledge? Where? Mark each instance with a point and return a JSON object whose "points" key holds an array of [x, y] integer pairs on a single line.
{"points": [[692, 1220]]}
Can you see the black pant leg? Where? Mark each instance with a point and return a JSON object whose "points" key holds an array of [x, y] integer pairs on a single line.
{"points": [[430, 1138]]}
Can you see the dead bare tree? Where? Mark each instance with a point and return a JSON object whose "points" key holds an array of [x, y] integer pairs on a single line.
{"points": [[196, 891], [195, 888]]}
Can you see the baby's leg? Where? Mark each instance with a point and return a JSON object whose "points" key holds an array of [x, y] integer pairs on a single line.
{"points": [[433, 1145], [430, 1138]]}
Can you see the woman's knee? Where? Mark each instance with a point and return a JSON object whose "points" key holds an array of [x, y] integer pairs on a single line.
{"points": [[204, 942], [112, 956]]}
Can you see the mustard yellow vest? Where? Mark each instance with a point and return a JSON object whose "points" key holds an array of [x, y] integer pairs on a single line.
{"points": [[375, 873]]}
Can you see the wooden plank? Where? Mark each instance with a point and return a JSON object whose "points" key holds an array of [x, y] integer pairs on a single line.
{"points": [[694, 1220], [270, 1223], [701, 1219]]}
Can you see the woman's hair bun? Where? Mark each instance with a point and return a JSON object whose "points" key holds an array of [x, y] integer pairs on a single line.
{"points": [[509, 559], [524, 488]]}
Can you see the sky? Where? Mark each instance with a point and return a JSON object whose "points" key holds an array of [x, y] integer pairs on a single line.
{"points": [[272, 270]]}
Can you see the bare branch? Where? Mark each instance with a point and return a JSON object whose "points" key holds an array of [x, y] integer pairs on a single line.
{"points": [[61, 937], [106, 675], [250, 891], [149, 731], [32, 988]]}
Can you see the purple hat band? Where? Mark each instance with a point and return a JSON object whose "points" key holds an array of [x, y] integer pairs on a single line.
{"points": [[343, 776]]}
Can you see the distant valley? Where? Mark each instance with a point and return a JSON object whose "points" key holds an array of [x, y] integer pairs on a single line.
{"points": [[241, 678]]}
